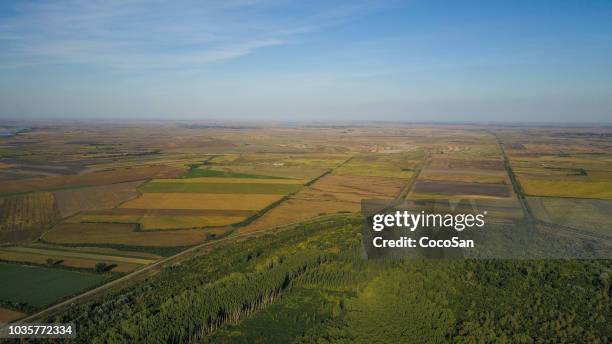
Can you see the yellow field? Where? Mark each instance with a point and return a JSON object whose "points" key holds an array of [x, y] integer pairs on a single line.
{"points": [[220, 159], [173, 222], [392, 166], [214, 180], [150, 222], [295, 210], [352, 188], [560, 188], [569, 161], [201, 201], [561, 174], [7, 315]]}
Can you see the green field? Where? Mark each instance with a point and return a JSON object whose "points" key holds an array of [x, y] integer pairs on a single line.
{"points": [[38, 286], [219, 188], [592, 215], [565, 188], [199, 172], [396, 166]]}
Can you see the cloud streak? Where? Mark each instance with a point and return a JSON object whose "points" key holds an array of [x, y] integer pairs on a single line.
{"points": [[153, 34]]}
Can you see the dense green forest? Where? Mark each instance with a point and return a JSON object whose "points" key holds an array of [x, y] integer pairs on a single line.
{"points": [[310, 284]]}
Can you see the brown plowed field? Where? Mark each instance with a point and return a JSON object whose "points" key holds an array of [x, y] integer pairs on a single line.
{"points": [[72, 201], [458, 188], [92, 179]]}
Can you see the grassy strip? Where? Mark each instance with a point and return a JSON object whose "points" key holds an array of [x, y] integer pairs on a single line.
{"points": [[59, 248], [60, 266], [77, 255], [164, 251]]}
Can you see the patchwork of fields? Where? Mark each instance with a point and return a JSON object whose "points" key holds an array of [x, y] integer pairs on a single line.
{"points": [[177, 212], [197, 202], [557, 164], [74, 198], [453, 178], [343, 190], [267, 165]]}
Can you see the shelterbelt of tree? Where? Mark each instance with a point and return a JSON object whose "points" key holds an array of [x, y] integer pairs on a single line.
{"points": [[311, 284]]}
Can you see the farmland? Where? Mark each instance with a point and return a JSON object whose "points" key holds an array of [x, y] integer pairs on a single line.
{"points": [[74, 258], [176, 220], [103, 177], [24, 218], [564, 188], [7, 315], [44, 285], [190, 203], [290, 166], [124, 234], [457, 178], [285, 201], [220, 188], [232, 180], [72, 201], [462, 188], [391, 165], [332, 194], [561, 163], [591, 215], [201, 201], [166, 204]]}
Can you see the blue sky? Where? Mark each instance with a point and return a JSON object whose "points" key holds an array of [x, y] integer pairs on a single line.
{"points": [[543, 61]]}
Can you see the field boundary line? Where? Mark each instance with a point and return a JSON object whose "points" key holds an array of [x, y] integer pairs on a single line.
{"points": [[404, 193], [516, 185]]}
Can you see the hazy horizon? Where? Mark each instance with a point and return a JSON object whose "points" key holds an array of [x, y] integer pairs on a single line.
{"points": [[259, 60]]}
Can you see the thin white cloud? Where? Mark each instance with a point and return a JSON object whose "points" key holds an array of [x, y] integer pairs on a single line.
{"points": [[152, 34]]}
